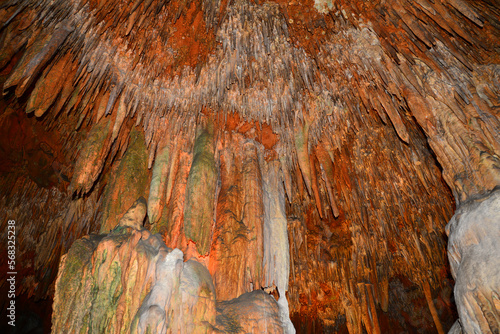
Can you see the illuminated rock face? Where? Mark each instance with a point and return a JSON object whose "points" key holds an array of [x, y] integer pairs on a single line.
{"points": [[474, 256], [313, 150], [130, 281]]}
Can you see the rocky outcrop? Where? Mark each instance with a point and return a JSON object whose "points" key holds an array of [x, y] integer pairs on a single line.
{"points": [[129, 281], [252, 312], [312, 149], [474, 253]]}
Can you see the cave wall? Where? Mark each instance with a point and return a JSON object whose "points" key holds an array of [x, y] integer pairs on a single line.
{"points": [[315, 150]]}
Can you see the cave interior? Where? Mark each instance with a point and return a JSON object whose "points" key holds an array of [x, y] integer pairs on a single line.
{"points": [[246, 166]]}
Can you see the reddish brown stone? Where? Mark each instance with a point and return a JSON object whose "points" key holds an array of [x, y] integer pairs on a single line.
{"points": [[363, 119]]}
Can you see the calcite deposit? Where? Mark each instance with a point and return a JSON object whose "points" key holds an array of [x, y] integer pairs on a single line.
{"points": [[474, 256], [128, 280], [243, 165]]}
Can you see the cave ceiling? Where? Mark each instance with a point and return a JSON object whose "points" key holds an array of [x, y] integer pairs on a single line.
{"points": [[377, 118]]}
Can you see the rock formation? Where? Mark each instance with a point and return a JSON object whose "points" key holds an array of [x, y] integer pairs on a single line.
{"points": [[475, 263], [249, 166]]}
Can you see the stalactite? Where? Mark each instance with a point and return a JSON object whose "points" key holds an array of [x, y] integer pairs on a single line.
{"points": [[47, 89], [172, 225], [92, 157], [237, 242], [35, 59], [127, 183], [276, 259], [159, 179], [199, 206], [253, 209], [331, 98], [430, 302], [301, 143]]}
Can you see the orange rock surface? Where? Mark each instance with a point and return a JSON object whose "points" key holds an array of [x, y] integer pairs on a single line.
{"points": [[311, 149]]}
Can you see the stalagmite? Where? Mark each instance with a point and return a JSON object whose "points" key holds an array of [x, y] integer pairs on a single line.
{"points": [[134, 217], [252, 312], [139, 285]]}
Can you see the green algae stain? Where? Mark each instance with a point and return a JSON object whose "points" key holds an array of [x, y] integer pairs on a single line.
{"points": [[127, 183], [198, 212]]}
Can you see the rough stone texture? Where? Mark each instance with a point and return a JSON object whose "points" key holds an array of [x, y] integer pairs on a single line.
{"points": [[252, 312], [237, 242], [134, 217], [474, 253], [127, 183], [370, 107], [456, 328], [129, 280]]}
